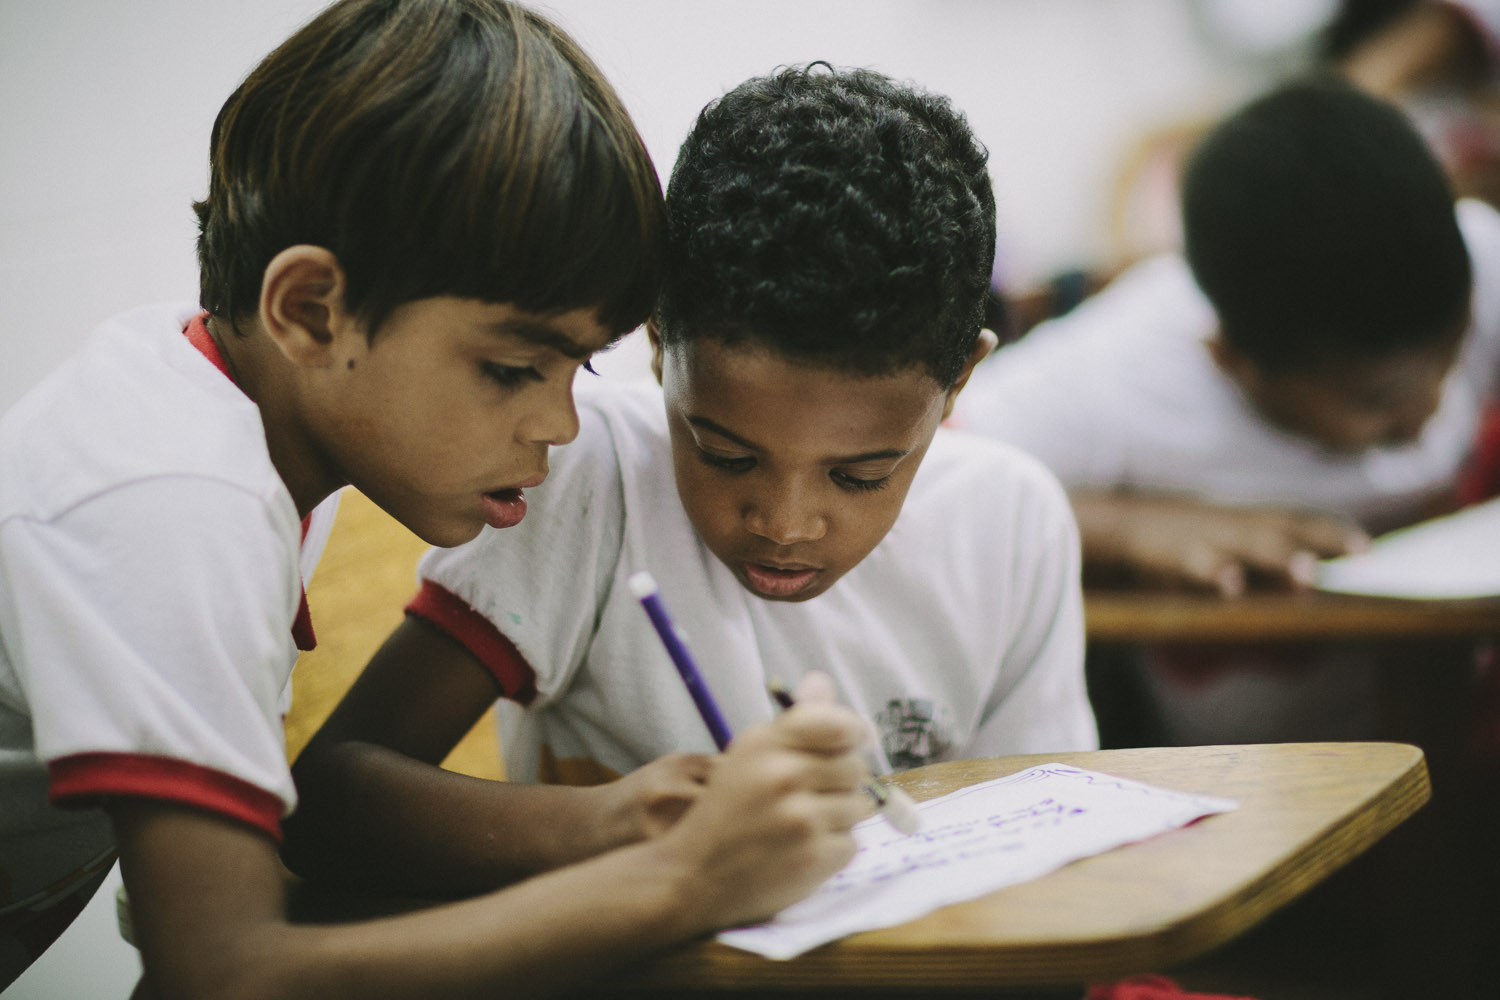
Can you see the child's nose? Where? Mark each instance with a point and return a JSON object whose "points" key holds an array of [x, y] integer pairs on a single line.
{"points": [[554, 421], [785, 518]]}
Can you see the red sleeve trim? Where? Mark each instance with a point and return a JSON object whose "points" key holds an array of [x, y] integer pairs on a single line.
{"points": [[1480, 478], [445, 610], [82, 779]]}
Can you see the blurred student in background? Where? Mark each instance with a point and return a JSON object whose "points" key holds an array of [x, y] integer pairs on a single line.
{"points": [[1310, 371], [1437, 60]]}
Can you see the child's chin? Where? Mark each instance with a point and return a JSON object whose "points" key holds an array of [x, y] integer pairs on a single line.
{"points": [[447, 534]]}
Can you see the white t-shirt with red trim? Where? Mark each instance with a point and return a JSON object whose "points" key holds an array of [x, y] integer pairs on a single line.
{"points": [[959, 636], [151, 568]]}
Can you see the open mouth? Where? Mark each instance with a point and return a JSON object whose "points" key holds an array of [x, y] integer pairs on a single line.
{"points": [[778, 581], [504, 508]]}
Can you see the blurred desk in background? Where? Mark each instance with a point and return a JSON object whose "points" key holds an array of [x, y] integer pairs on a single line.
{"points": [[1140, 616]]}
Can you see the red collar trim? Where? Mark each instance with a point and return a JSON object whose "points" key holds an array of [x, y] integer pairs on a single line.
{"points": [[197, 334]]}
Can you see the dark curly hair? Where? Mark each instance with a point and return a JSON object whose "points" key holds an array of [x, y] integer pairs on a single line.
{"points": [[835, 216], [437, 147]]}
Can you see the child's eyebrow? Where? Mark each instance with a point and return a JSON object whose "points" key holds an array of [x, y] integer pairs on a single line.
{"points": [[868, 456], [723, 432], [541, 333]]}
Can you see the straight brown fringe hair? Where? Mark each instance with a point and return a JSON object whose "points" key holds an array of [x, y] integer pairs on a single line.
{"points": [[436, 147]]}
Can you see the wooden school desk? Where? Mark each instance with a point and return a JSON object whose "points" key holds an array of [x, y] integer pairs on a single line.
{"points": [[1305, 810], [1140, 616], [1429, 688]]}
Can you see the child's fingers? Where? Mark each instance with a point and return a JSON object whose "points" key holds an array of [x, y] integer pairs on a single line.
{"points": [[816, 687], [834, 775], [651, 799], [1209, 568], [1326, 537], [693, 767], [1302, 568], [1229, 579], [841, 811], [823, 813], [1275, 558], [792, 757], [1288, 551], [821, 729]]}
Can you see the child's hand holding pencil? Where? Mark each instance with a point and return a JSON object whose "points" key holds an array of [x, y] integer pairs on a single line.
{"points": [[892, 803], [774, 820]]}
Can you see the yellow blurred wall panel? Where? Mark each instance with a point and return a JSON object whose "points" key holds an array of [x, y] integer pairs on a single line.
{"points": [[367, 574]]}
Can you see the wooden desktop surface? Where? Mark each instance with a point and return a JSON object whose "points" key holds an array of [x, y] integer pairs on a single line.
{"points": [[1140, 616], [1305, 810]]}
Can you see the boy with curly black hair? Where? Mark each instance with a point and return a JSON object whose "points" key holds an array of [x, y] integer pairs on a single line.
{"points": [[831, 233]]}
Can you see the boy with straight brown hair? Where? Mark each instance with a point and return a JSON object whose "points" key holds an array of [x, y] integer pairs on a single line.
{"points": [[423, 217]]}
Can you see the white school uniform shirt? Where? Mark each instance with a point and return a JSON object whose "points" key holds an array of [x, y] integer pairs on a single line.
{"points": [[151, 567], [1122, 392], [960, 635]]}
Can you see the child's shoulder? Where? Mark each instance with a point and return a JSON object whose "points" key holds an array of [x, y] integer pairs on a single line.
{"points": [[1153, 310], [121, 348], [975, 478], [1480, 225], [981, 517], [1478, 220], [136, 402]]}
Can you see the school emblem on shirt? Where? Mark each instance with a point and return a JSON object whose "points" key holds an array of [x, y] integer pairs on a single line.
{"points": [[910, 731]]}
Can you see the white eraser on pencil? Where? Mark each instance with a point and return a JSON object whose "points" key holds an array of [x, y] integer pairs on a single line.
{"points": [[642, 584], [900, 810]]}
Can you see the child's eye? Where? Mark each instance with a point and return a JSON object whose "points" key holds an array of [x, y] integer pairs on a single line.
{"points": [[510, 376], [856, 484], [588, 366], [742, 463]]}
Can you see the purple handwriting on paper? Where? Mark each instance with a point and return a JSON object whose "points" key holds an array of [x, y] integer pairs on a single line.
{"points": [[954, 842], [975, 840]]}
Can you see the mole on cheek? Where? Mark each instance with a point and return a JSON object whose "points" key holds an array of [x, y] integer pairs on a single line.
{"points": [[351, 363]]}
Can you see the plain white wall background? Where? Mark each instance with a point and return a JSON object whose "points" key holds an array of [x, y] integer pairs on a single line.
{"points": [[106, 106], [105, 110]]}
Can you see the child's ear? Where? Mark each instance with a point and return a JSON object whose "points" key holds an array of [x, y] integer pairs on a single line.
{"points": [[985, 343], [1235, 365], [302, 304], [653, 334]]}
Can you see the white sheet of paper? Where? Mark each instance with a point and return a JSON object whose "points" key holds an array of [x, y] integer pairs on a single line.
{"points": [[1451, 557], [972, 842]]}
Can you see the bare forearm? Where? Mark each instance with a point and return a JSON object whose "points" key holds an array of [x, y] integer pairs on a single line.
{"points": [[1108, 522], [1099, 522], [534, 939], [1173, 541], [208, 907], [372, 818]]}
